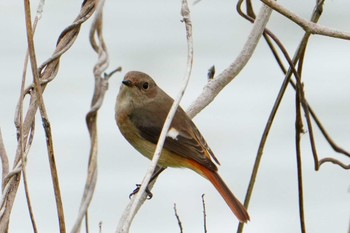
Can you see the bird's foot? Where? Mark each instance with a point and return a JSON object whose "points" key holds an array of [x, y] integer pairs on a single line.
{"points": [[149, 193]]}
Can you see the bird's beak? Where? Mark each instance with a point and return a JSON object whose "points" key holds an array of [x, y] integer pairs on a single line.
{"points": [[127, 83]]}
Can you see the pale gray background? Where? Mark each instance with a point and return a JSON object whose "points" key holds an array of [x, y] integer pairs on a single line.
{"points": [[148, 36]]}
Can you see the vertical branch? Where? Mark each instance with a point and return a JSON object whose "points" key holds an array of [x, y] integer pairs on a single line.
{"points": [[101, 86], [178, 219], [19, 122], [44, 117], [298, 132], [204, 215], [136, 202]]}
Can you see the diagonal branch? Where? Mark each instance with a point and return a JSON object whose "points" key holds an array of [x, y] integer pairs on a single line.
{"points": [[308, 26], [213, 88], [139, 198]]}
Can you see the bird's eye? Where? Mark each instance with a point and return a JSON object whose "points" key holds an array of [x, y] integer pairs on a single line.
{"points": [[145, 85]]}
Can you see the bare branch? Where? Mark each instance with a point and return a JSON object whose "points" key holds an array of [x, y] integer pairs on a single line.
{"points": [[287, 79], [204, 215], [334, 161], [101, 86], [47, 72], [298, 132], [44, 117], [140, 197], [213, 88], [308, 26]]}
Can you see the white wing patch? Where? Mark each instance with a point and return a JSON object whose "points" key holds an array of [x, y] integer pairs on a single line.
{"points": [[173, 133]]}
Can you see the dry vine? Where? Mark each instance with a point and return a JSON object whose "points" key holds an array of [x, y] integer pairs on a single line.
{"points": [[25, 128], [101, 86]]}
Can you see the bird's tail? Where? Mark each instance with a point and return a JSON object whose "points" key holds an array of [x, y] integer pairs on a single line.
{"points": [[237, 208]]}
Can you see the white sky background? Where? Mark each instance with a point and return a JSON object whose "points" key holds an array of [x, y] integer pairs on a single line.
{"points": [[148, 36]]}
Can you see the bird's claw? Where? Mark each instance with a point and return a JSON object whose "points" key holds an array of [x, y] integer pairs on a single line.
{"points": [[149, 193]]}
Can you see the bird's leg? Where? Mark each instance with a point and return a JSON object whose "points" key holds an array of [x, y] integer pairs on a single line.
{"points": [[155, 174]]}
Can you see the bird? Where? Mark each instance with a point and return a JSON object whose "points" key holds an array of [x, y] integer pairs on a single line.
{"points": [[140, 111]]}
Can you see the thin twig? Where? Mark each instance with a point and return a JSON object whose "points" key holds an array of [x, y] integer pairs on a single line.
{"points": [[30, 209], [211, 73], [334, 161], [278, 100], [139, 198], [178, 219], [100, 227], [298, 132], [204, 215], [315, 17], [299, 54]]}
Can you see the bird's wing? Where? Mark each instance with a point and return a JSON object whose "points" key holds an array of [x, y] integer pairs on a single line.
{"points": [[183, 137]]}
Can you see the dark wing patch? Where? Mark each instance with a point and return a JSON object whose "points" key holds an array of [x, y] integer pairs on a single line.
{"points": [[187, 144]]}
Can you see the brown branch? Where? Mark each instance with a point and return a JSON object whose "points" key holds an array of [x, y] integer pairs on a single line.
{"points": [[287, 79], [299, 55], [44, 117], [47, 71], [334, 161], [309, 111], [298, 131], [19, 124], [101, 86]]}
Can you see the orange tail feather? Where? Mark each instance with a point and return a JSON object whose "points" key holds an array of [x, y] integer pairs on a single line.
{"points": [[237, 208]]}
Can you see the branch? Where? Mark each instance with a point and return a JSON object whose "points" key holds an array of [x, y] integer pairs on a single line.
{"points": [[44, 118], [204, 215], [298, 58], [213, 88], [308, 26], [4, 161], [47, 72], [136, 202], [178, 219], [298, 132], [101, 86], [300, 50]]}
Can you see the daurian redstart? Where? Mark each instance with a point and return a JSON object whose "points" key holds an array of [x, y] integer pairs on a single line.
{"points": [[141, 110]]}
